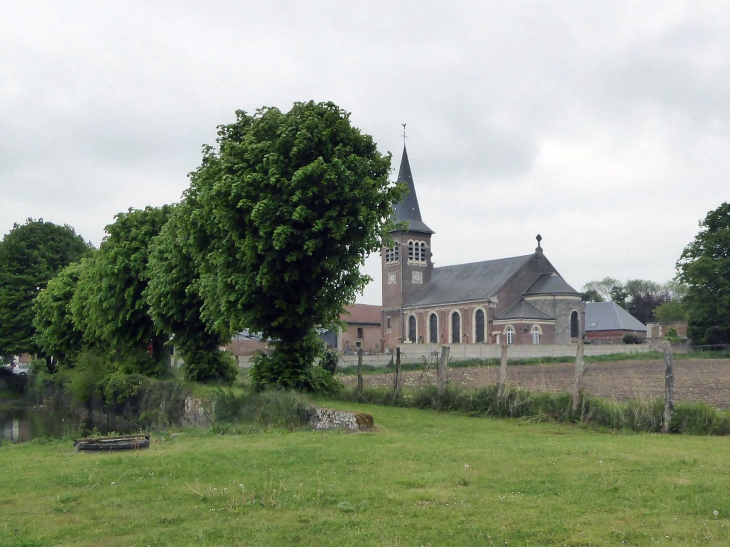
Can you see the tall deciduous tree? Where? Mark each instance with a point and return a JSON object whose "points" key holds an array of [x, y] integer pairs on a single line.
{"points": [[109, 302], [603, 287], [283, 215], [56, 333], [30, 255], [705, 268], [173, 295]]}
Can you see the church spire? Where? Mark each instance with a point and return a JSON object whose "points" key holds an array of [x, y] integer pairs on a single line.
{"points": [[407, 209]]}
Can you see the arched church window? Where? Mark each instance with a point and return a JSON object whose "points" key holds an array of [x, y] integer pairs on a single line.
{"points": [[422, 257], [396, 248], [455, 327], [433, 328], [535, 332], [479, 322], [411, 249], [509, 332], [412, 328], [574, 325]]}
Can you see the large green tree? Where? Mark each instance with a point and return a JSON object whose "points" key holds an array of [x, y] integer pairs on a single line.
{"points": [[109, 303], [56, 333], [704, 268], [30, 255], [283, 214], [173, 295]]}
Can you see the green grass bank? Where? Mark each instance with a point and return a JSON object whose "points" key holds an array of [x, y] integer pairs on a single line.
{"points": [[422, 478]]}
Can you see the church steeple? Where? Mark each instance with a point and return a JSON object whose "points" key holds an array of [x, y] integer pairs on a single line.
{"points": [[407, 210]]}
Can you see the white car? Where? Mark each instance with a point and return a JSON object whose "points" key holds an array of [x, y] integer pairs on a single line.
{"points": [[21, 369]]}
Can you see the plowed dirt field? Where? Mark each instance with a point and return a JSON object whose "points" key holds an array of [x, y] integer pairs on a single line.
{"points": [[706, 380]]}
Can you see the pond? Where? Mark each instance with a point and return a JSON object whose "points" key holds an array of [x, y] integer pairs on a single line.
{"points": [[21, 421]]}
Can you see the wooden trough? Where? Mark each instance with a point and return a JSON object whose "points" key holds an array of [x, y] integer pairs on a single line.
{"points": [[125, 442]]}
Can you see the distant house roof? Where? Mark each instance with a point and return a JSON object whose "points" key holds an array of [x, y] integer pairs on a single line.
{"points": [[610, 316], [550, 283], [467, 282], [362, 313], [523, 310]]}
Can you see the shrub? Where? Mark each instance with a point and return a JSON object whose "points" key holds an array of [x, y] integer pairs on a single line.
{"points": [[272, 408], [329, 361], [631, 339]]}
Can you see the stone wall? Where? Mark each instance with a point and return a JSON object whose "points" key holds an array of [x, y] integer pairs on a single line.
{"points": [[326, 418]]}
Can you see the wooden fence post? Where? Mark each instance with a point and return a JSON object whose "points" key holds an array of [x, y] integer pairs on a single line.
{"points": [[396, 378], [503, 370], [668, 388], [580, 369], [441, 372], [359, 373]]}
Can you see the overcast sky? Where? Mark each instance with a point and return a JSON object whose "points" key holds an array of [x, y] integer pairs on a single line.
{"points": [[603, 126]]}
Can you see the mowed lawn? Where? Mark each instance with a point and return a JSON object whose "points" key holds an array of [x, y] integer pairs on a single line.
{"points": [[423, 478]]}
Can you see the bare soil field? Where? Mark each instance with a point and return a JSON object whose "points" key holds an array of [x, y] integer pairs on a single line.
{"points": [[706, 380]]}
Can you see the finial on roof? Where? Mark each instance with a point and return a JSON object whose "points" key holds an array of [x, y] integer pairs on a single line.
{"points": [[404, 134], [539, 239]]}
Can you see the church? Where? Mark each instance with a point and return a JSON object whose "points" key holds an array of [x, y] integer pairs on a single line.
{"points": [[514, 300]]}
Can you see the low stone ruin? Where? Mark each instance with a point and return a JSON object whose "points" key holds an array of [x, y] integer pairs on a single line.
{"points": [[326, 418]]}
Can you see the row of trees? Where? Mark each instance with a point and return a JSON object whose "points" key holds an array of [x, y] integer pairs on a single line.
{"points": [[646, 300], [270, 236], [700, 293]]}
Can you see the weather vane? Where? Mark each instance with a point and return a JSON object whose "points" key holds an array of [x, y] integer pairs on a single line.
{"points": [[404, 133]]}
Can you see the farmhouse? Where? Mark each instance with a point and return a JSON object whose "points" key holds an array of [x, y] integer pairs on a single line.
{"points": [[514, 300]]}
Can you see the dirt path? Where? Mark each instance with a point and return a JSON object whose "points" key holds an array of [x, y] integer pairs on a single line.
{"points": [[706, 380]]}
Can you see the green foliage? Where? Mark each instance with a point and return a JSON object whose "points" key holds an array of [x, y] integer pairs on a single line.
{"points": [[289, 365], [635, 415], [705, 268], [602, 287], [56, 333], [31, 254], [176, 306], [631, 339], [85, 378], [670, 311], [274, 408], [591, 295], [330, 360], [109, 304], [281, 218], [322, 381]]}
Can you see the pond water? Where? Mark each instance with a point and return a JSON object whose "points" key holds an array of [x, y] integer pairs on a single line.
{"points": [[21, 421]]}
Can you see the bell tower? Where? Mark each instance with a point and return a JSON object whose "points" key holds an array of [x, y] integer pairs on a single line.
{"points": [[407, 264]]}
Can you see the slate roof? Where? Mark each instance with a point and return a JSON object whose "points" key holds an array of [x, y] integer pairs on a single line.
{"points": [[523, 310], [362, 313], [550, 284], [610, 316], [408, 210], [467, 282]]}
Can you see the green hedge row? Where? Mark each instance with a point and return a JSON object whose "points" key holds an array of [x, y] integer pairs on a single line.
{"points": [[644, 416]]}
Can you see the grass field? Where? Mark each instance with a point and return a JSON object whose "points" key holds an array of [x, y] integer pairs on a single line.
{"points": [[423, 478]]}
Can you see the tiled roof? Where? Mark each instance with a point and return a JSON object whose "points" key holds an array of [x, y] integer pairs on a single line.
{"points": [[523, 310], [467, 282], [610, 316], [362, 313], [550, 284]]}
